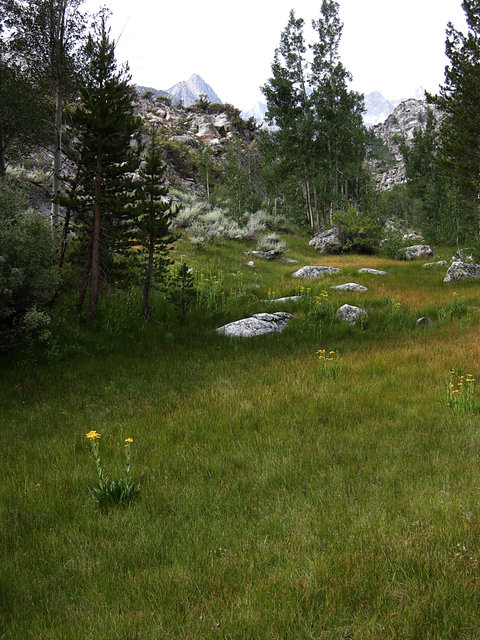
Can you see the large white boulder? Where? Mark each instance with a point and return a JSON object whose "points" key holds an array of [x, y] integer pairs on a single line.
{"points": [[350, 286], [417, 251], [328, 241], [462, 270], [314, 272], [350, 314], [257, 325]]}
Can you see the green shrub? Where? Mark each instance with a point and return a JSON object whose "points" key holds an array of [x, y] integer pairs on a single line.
{"points": [[360, 231], [28, 271]]}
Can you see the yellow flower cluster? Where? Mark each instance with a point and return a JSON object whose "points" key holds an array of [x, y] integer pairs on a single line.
{"points": [[323, 355], [93, 435], [212, 280], [323, 297]]}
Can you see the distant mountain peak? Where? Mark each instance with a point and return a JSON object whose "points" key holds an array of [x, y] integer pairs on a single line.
{"points": [[189, 91]]}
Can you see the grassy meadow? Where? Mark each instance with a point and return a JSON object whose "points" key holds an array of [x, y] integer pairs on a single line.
{"points": [[277, 501]]}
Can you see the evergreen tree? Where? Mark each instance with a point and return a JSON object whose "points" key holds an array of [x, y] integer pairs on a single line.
{"points": [[22, 110], [459, 99], [48, 34], [429, 186], [153, 222], [105, 124]]}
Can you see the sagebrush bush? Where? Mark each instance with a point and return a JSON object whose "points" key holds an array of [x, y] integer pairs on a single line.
{"points": [[271, 244]]}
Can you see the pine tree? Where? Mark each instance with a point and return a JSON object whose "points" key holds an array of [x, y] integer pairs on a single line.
{"points": [[459, 99], [153, 222], [105, 124]]}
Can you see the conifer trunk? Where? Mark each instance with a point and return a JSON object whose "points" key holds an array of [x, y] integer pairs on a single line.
{"points": [[57, 158], [95, 267], [147, 308]]}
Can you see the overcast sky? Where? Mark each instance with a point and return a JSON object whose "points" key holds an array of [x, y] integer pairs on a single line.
{"points": [[389, 46]]}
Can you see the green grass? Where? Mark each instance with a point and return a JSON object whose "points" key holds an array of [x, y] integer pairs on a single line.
{"points": [[275, 502]]}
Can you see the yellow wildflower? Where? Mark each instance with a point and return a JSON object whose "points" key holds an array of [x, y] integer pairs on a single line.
{"points": [[92, 435], [128, 439]]}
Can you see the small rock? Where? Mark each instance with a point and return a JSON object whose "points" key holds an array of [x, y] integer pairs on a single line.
{"points": [[250, 263], [350, 314], [350, 286], [461, 271], [314, 272], [375, 272], [257, 325], [424, 321], [439, 263]]}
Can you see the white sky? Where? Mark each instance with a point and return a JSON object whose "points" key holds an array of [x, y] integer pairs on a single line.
{"points": [[389, 46]]}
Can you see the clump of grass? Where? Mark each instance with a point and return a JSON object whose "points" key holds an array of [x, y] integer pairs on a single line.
{"points": [[112, 492], [460, 395]]}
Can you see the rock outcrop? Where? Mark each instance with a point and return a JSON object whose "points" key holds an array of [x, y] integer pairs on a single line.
{"points": [[461, 271], [398, 129], [257, 325], [328, 241]]}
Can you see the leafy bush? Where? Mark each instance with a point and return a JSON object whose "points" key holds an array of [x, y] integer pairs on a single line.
{"points": [[360, 231], [28, 271]]}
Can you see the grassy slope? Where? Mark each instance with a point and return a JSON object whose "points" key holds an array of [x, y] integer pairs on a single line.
{"points": [[275, 503]]}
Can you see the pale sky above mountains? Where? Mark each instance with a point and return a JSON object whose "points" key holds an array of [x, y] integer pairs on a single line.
{"points": [[389, 46]]}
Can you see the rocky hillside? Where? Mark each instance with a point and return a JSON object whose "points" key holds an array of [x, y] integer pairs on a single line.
{"points": [[186, 132], [398, 129]]}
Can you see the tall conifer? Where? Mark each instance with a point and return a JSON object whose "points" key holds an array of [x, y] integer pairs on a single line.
{"points": [[105, 125]]}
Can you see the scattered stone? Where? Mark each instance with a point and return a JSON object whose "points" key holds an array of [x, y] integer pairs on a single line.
{"points": [[287, 299], [424, 321], [328, 241], [350, 314], [439, 263], [417, 251], [314, 272], [375, 272], [250, 263], [288, 260], [257, 325], [350, 286], [414, 236], [461, 271], [271, 254]]}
